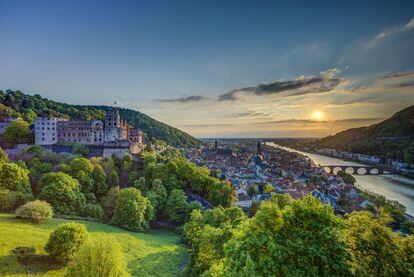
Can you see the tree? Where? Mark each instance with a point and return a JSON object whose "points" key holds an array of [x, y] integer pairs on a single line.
{"points": [[157, 195], [66, 240], [62, 192], [3, 155], [36, 211], [220, 193], [371, 245], [108, 202], [176, 206], [268, 188], [18, 132], [93, 210], [102, 256], [251, 191], [113, 179], [80, 149], [141, 184], [82, 169], [29, 116], [405, 254], [207, 232], [348, 178], [14, 178], [303, 238], [100, 186], [133, 211]]}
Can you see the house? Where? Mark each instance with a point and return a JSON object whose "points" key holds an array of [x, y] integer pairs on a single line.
{"points": [[243, 201]]}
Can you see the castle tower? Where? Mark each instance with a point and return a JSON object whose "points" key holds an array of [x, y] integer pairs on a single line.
{"points": [[113, 128]]}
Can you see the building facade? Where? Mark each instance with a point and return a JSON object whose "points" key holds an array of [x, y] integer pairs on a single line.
{"points": [[51, 130], [46, 130]]}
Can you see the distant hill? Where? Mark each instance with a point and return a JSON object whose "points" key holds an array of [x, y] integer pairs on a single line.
{"points": [[391, 138], [26, 104]]}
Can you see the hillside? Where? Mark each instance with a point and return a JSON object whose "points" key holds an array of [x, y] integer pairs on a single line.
{"points": [[148, 254], [24, 103], [391, 138]]}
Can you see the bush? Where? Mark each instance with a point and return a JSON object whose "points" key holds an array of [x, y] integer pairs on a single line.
{"points": [[66, 241], [94, 211], [10, 200], [23, 253], [35, 210], [133, 211], [62, 192], [101, 257]]}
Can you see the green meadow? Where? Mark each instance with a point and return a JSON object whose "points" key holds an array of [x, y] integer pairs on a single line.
{"points": [[154, 253]]}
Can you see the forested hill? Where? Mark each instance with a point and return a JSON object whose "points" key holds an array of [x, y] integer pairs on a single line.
{"points": [[391, 138], [32, 105]]}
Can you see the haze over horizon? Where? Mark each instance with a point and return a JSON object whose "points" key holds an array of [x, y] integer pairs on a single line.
{"points": [[233, 69]]}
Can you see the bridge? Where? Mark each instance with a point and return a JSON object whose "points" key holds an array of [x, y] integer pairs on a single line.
{"points": [[357, 169]]}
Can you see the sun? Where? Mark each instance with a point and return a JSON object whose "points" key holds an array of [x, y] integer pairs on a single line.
{"points": [[318, 115]]}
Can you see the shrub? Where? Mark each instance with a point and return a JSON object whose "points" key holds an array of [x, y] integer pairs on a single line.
{"points": [[101, 257], [23, 253], [133, 211], [10, 200], [35, 210], [94, 211], [62, 192], [66, 241]]}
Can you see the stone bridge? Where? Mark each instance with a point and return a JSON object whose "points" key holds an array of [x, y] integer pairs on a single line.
{"points": [[354, 169]]}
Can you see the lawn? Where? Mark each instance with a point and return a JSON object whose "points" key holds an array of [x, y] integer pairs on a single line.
{"points": [[155, 253]]}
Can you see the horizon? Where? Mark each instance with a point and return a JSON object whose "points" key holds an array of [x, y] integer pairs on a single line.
{"points": [[275, 70]]}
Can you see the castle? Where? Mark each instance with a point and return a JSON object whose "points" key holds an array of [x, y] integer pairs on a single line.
{"points": [[113, 132]]}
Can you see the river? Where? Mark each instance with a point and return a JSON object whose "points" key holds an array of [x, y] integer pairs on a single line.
{"points": [[393, 187]]}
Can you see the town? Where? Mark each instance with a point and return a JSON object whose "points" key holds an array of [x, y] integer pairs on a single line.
{"points": [[256, 171]]}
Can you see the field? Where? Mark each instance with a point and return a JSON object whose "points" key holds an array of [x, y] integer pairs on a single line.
{"points": [[155, 253]]}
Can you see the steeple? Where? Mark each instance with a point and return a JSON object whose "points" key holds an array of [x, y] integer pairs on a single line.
{"points": [[259, 148]]}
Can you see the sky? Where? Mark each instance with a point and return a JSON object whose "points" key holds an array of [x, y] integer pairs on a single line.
{"points": [[217, 68]]}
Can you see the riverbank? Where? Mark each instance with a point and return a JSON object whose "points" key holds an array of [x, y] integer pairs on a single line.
{"points": [[393, 187]]}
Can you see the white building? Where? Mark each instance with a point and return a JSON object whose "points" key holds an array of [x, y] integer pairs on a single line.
{"points": [[45, 129]]}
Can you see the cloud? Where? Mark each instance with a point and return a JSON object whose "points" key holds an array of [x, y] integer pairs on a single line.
{"points": [[359, 120], [187, 99], [397, 75], [310, 121], [229, 96], [324, 82], [408, 26], [293, 120]]}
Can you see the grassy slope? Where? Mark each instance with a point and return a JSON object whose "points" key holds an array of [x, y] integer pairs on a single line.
{"points": [[156, 253]]}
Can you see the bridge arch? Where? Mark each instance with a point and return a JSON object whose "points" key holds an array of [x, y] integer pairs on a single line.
{"points": [[362, 171], [336, 169], [350, 170], [374, 171], [327, 169]]}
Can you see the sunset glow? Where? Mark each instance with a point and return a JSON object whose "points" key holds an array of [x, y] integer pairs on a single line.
{"points": [[318, 115]]}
